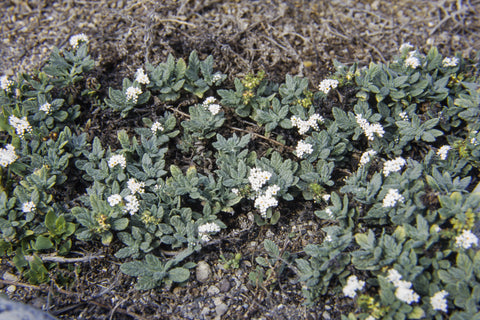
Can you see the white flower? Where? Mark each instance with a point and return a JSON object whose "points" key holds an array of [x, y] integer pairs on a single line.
{"points": [[326, 85], [132, 93], [21, 125], [214, 108], [406, 47], [366, 157], [473, 141], [353, 284], [303, 126], [210, 227], [329, 212], [443, 152], [393, 165], [370, 317], [263, 202], [392, 198], [216, 77], [412, 62], [393, 275], [328, 238], [209, 101], [258, 178], [404, 116], [466, 239], [157, 126], [45, 107], [135, 186], [77, 39], [272, 190], [326, 197], [406, 295], [132, 204], [369, 129], [235, 191], [28, 206], [141, 77], [303, 148], [450, 62], [117, 159], [114, 199], [5, 84], [7, 155], [438, 301]]}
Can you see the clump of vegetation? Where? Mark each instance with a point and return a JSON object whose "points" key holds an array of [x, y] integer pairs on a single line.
{"points": [[390, 176]]}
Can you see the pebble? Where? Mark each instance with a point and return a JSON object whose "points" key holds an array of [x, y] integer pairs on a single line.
{"points": [[224, 285], [213, 290], [203, 271], [269, 234], [326, 315], [221, 309], [9, 277], [11, 289]]}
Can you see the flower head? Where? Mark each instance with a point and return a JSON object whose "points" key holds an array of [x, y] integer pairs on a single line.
{"points": [[7, 155], [406, 47], [393, 165], [466, 239], [117, 159], [214, 108], [28, 207], [45, 107], [114, 199], [366, 156], [369, 129], [141, 77], [157, 126], [305, 125], [438, 301], [303, 148], [206, 229], [258, 178], [443, 152], [406, 295], [76, 40], [393, 275], [265, 201], [412, 61], [132, 94], [5, 84], [353, 284], [326, 85], [21, 125], [135, 186], [450, 62], [132, 204], [392, 198]]}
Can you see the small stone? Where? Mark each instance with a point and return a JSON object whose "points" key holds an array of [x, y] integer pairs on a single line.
{"points": [[9, 277], [203, 271], [11, 289], [326, 315], [213, 290], [224, 285], [221, 309], [269, 234]]}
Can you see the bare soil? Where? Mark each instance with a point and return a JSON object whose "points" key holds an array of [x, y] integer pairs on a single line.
{"points": [[281, 37]]}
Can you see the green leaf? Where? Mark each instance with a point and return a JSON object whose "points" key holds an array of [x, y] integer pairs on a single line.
{"points": [[262, 261], [179, 274], [43, 243], [271, 248], [120, 224]]}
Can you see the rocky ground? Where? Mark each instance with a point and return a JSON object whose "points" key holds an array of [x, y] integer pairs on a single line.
{"points": [[296, 37]]}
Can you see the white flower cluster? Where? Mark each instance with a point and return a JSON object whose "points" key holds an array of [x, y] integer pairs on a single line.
{"points": [[157, 126], [132, 94], [403, 292], [404, 116], [114, 199], [443, 152], [117, 159], [216, 77], [21, 125], [368, 128], [303, 126], [141, 76], [439, 302], [77, 39], [326, 85], [303, 148], [135, 186], [366, 157], [132, 204], [267, 200], [412, 61], [5, 84], [450, 62], [7, 155], [210, 104], [391, 198], [393, 165], [258, 178], [466, 239], [28, 207], [406, 47], [353, 284], [206, 229], [46, 107]]}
